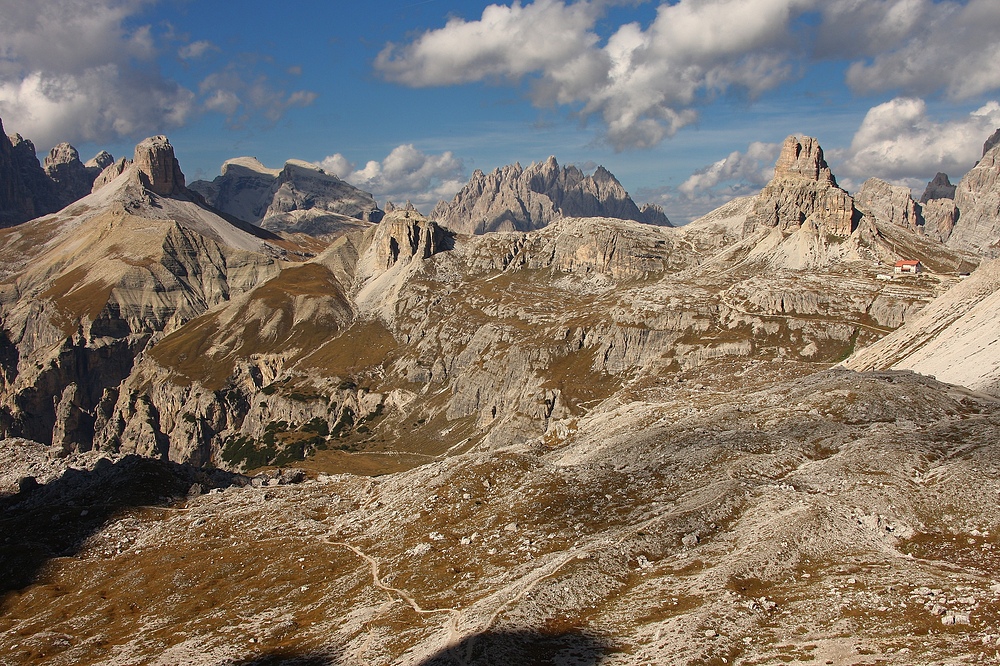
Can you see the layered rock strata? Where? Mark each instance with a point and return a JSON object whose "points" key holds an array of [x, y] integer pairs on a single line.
{"points": [[892, 204], [803, 189]]}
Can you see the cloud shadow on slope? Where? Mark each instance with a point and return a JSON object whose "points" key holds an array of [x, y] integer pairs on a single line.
{"points": [[490, 648], [54, 520]]}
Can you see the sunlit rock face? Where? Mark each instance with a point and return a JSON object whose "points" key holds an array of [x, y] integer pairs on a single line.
{"points": [[803, 188]]}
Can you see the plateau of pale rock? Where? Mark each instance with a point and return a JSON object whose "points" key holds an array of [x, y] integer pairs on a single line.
{"points": [[954, 339]]}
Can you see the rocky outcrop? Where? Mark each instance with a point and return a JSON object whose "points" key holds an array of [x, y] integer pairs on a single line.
{"points": [[158, 168], [653, 214], [111, 172], [938, 188], [515, 199], [978, 201], [100, 161], [16, 201], [891, 204], [940, 216], [300, 197], [803, 189], [27, 190], [992, 141], [406, 234], [72, 178]]}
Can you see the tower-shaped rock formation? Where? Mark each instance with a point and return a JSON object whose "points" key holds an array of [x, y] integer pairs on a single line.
{"points": [[802, 188], [158, 167], [977, 198]]}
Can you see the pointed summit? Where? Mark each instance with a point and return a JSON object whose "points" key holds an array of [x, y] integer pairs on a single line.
{"points": [[939, 187]]}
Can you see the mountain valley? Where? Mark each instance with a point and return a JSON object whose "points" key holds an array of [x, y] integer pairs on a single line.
{"points": [[262, 420]]}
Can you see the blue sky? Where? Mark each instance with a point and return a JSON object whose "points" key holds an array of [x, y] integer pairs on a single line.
{"points": [[685, 101]]}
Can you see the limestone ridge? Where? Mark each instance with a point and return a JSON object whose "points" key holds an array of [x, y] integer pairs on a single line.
{"points": [[890, 203], [111, 172], [977, 199], [803, 188], [299, 197], [991, 142], [512, 198]]}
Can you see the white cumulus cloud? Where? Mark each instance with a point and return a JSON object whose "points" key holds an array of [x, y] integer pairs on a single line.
{"points": [[899, 141], [88, 70], [196, 50], [645, 82], [72, 70], [405, 174], [753, 168], [921, 47], [741, 173]]}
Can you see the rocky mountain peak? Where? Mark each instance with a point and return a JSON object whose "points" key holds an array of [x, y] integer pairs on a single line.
{"points": [[803, 189], [939, 187], [653, 214], [977, 198], [890, 203], [62, 154], [991, 142], [154, 158], [101, 160], [512, 198], [802, 157], [298, 198], [73, 179]]}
